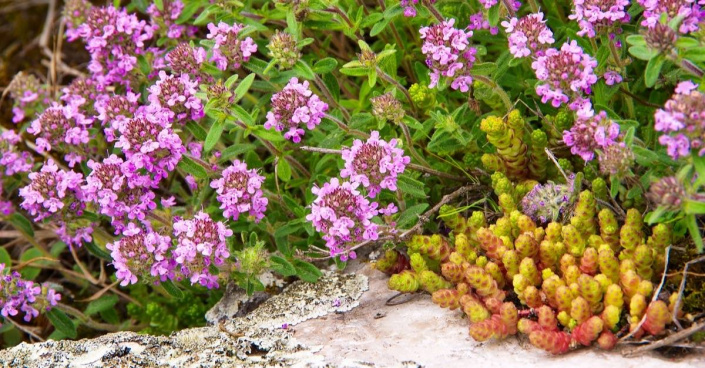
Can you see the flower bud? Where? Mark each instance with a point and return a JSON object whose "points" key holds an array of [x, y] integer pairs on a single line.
{"points": [[387, 108], [284, 50]]}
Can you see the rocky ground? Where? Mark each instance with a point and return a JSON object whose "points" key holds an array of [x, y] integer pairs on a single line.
{"points": [[341, 321]]}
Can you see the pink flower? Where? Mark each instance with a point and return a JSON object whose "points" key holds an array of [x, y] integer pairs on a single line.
{"points": [[239, 191], [682, 120], [141, 252], [590, 134], [612, 78], [294, 107], [375, 164], [59, 127], [598, 16], [201, 243], [689, 10], [18, 295], [566, 74], [229, 50], [176, 96], [528, 35], [11, 158], [448, 54], [343, 216]]}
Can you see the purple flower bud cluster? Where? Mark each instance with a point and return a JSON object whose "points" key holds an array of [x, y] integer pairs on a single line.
{"points": [[18, 295], [201, 243], [590, 134], [114, 39], [599, 16], [344, 216], [448, 54], [689, 10], [118, 193], [164, 21], [528, 35], [292, 108], [239, 191], [63, 128], [30, 97], [682, 122], [114, 112], [375, 164], [141, 252], [185, 59], [545, 202], [57, 194], [616, 160], [567, 74], [229, 51], [12, 160], [176, 97]]}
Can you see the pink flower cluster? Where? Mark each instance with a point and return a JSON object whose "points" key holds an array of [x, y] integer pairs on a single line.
{"points": [[12, 160], [57, 194], [598, 16], [375, 164], [63, 128], [201, 243], [690, 10], [229, 50], [176, 96], [590, 134], [239, 191], [479, 21], [682, 121], [30, 97], [165, 20], [567, 74], [141, 252], [448, 54], [410, 6], [343, 215], [186, 59], [18, 295], [528, 35], [292, 108]]}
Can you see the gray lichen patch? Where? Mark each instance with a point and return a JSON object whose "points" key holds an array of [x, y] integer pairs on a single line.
{"points": [[257, 339]]}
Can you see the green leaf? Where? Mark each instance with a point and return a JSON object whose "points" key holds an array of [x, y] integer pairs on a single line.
{"points": [[5, 259], [355, 72], [197, 131], [204, 17], [193, 168], [268, 135], [172, 289], [143, 64], [372, 77], [97, 251], [62, 322], [692, 223], [304, 42], [283, 169], [101, 304], [642, 52], [303, 70], [231, 80], [214, 134], [411, 215], [493, 15], [325, 65], [236, 149], [306, 271], [483, 68], [159, 4], [410, 186], [687, 43], [393, 11], [189, 10], [242, 115], [694, 207], [379, 27], [371, 19], [653, 70], [22, 224], [243, 87], [282, 266], [614, 186], [695, 54], [292, 24], [28, 272], [636, 40]]}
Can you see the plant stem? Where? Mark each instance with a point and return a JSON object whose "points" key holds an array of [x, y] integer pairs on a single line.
{"points": [[510, 8], [496, 87], [618, 60], [691, 68], [410, 144], [433, 10], [345, 127], [329, 96], [393, 81], [534, 6]]}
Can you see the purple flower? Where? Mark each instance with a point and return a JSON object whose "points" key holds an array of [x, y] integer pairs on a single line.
{"points": [[201, 243], [616, 160], [448, 54], [689, 10], [176, 96], [545, 202], [30, 97], [612, 78], [115, 111], [294, 106], [479, 21], [567, 74], [75, 14], [528, 35], [60, 126], [11, 158], [488, 3], [151, 145], [18, 295], [57, 194], [375, 164], [141, 252], [239, 191], [343, 216], [185, 59], [599, 16], [165, 20], [229, 50], [123, 200], [682, 120], [590, 134]]}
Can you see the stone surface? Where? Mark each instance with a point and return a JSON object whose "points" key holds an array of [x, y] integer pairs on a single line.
{"points": [[337, 322]]}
